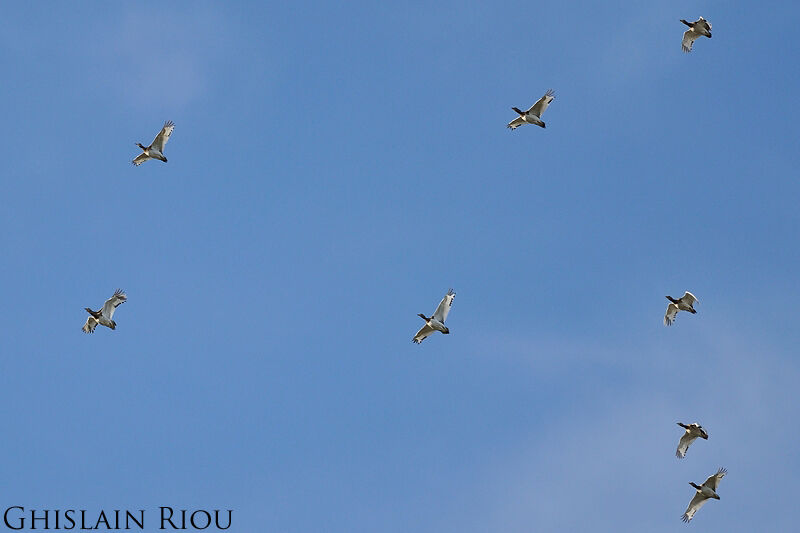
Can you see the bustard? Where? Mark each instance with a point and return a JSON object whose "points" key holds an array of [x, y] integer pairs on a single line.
{"points": [[704, 492], [699, 28], [534, 114], [436, 322], [684, 303], [690, 435], [156, 148], [104, 316]]}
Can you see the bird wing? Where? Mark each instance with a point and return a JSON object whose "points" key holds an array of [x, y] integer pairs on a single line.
{"points": [[112, 303], [141, 158], [697, 502], [540, 107], [444, 306], [423, 333], [689, 37], [713, 481], [672, 311], [516, 123], [706, 23], [683, 445], [689, 299], [91, 323], [163, 136]]}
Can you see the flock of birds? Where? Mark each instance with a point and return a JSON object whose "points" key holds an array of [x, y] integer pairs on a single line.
{"points": [[436, 322]]}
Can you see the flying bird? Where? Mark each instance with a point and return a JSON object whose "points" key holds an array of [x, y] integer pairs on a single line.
{"points": [[704, 492], [692, 432], [105, 315], [436, 322], [699, 28], [534, 114], [156, 148], [684, 303]]}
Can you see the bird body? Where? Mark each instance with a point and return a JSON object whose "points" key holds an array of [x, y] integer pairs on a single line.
{"points": [[436, 322], [534, 114], [156, 148], [684, 303], [705, 492], [699, 28], [105, 316], [693, 431]]}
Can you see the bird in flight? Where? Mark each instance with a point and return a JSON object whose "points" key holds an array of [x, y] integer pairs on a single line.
{"points": [[684, 303], [104, 316], [436, 322], [156, 148], [704, 492], [699, 28], [534, 114], [690, 435]]}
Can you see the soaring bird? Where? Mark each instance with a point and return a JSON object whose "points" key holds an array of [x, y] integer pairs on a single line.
{"points": [[699, 28], [692, 432], [704, 492], [436, 322], [684, 303], [156, 148], [105, 315], [534, 114]]}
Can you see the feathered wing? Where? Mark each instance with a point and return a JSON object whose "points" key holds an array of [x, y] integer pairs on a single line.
{"points": [[713, 481], [705, 23], [689, 299], [697, 502], [423, 333], [516, 123], [141, 158], [689, 37], [540, 107], [672, 311], [683, 445], [163, 136], [91, 323], [112, 303], [444, 306]]}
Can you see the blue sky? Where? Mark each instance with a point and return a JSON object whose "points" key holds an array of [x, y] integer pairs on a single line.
{"points": [[334, 169]]}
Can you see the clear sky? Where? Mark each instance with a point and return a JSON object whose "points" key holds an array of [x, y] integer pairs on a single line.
{"points": [[334, 169]]}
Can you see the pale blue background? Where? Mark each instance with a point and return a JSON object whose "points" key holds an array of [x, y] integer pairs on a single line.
{"points": [[335, 167]]}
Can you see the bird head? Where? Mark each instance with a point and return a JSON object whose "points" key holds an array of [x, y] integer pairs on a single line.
{"points": [[141, 146]]}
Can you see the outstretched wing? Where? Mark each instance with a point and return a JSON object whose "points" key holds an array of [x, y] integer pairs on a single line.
{"points": [[423, 333], [540, 107], [689, 299], [706, 23], [163, 136], [91, 323], [683, 445], [444, 306], [713, 481], [689, 37], [112, 303], [697, 502], [672, 311], [516, 123], [141, 158]]}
